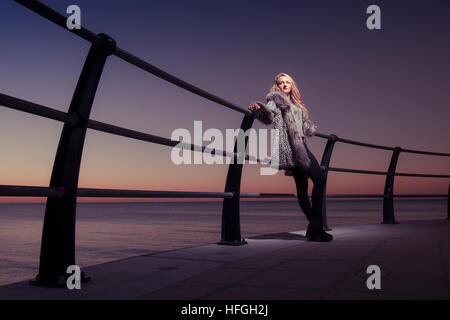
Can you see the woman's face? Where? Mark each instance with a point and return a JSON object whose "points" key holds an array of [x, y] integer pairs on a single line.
{"points": [[285, 85]]}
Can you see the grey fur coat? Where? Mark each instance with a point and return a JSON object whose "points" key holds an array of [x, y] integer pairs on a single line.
{"points": [[288, 119]]}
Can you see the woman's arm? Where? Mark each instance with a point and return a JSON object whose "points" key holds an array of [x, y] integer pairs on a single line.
{"points": [[262, 112], [309, 128]]}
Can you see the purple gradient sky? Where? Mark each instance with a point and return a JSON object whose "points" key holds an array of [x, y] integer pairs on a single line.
{"points": [[390, 87]]}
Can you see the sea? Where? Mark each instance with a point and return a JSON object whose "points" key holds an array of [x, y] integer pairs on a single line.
{"points": [[117, 230]]}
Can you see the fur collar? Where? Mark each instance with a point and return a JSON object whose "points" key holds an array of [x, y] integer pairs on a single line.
{"points": [[280, 99]]}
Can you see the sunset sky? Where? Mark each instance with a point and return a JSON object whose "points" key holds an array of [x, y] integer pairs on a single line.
{"points": [[388, 87]]}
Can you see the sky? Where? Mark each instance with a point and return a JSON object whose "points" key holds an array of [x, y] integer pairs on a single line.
{"points": [[389, 87]]}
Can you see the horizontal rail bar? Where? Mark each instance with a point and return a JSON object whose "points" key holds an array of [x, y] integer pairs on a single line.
{"points": [[363, 144], [129, 133], [90, 36], [114, 193], [422, 175], [357, 171], [384, 173], [355, 196], [72, 119], [421, 196], [288, 195], [322, 135], [33, 108], [385, 196], [130, 58], [267, 195], [124, 132], [264, 160], [58, 192], [29, 191], [105, 127], [348, 141], [427, 152]]}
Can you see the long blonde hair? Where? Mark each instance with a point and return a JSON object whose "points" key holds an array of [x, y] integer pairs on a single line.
{"points": [[294, 96]]}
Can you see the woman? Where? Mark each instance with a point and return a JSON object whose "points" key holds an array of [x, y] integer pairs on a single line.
{"points": [[285, 110]]}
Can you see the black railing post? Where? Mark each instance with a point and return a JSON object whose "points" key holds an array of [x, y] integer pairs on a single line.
{"points": [[388, 202], [58, 235], [231, 225], [326, 157]]}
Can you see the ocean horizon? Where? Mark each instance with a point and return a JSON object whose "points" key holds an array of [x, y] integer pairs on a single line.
{"points": [[107, 231]]}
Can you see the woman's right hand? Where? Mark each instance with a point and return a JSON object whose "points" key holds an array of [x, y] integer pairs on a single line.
{"points": [[253, 106]]}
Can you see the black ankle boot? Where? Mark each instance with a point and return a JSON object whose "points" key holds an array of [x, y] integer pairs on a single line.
{"points": [[317, 234]]}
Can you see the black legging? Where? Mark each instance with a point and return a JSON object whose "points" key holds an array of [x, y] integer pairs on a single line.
{"points": [[314, 214]]}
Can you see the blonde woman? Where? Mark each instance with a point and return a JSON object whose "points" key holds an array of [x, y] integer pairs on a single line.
{"points": [[286, 111]]}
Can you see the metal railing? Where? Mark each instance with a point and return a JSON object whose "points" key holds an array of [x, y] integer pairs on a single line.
{"points": [[58, 235]]}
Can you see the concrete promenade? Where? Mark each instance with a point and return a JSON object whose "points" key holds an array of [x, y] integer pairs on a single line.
{"points": [[414, 257]]}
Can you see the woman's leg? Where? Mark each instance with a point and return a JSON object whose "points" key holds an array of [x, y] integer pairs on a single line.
{"points": [[301, 183], [315, 230], [318, 178]]}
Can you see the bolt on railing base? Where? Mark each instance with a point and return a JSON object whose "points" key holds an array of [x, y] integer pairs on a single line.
{"points": [[60, 283], [233, 243]]}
